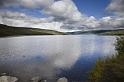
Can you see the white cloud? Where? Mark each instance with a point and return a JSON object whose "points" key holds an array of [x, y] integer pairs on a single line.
{"points": [[51, 25], [57, 8], [65, 9], [91, 22], [22, 20], [63, 15], [35, 3], [27, 3], [112, 22], [62, 11], [117, 6]]}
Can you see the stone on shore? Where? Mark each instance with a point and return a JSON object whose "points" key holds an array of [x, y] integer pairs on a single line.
{"points": [[5, 78], [63, 79]]}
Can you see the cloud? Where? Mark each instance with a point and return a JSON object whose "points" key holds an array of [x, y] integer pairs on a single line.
{"points": [[117, 6], [115, 22], [26, 3], [91, 22], [62, 15], [61, 12], [22, 20], [65, 9], [7, 2], [36, 3], [13, 15]]}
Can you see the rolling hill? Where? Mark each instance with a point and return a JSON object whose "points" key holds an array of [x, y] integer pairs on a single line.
{"points": [[17, 31]]}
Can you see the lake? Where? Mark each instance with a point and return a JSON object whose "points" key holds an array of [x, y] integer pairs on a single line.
{"points": [[51, 57]]}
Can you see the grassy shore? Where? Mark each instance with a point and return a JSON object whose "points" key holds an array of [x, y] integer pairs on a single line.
{"points": [[110, 69]]}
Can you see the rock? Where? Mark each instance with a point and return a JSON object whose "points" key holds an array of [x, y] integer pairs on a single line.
{"points": [[63, 79], [44, 81], [5, 78], [35, 79], [38, 79]]}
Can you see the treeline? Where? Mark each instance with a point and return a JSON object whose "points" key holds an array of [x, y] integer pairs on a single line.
{"points": [[110, 69]]}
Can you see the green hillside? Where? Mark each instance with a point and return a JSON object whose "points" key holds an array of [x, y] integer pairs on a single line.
{"points": [[16, 31], [114, 32]]}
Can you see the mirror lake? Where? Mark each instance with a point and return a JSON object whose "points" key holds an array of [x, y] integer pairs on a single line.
{"points": [[51, 57]]}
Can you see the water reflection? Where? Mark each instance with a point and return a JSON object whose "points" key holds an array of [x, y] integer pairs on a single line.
{"points": [[47, 56], [104, 45]]}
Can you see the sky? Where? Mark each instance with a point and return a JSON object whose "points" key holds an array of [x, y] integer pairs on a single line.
{"points": [[94, 8], [63, 15]]}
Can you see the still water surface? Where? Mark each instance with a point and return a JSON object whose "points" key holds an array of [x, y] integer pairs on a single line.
{"points": [[50, 57]]}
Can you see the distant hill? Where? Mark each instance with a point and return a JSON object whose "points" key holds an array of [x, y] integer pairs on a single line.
{"points": [[16, 31], [100, 32]]}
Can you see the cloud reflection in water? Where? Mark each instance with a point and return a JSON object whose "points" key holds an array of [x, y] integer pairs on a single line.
{"points": [[31, 56]]}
